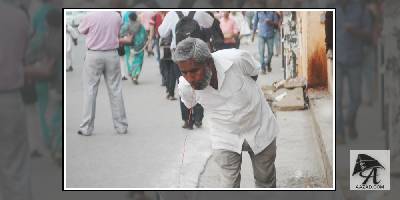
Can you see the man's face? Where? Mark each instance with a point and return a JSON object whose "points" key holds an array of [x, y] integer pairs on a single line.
{"points": [[198, 76]]}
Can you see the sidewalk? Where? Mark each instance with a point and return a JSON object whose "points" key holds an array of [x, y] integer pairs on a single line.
{"points": [[321, 109]]}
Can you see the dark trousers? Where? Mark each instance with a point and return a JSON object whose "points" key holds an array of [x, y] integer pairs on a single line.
{"points": [[197, 113], [171, 73]]}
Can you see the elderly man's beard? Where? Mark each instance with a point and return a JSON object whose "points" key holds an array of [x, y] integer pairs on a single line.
{"points": [[201, 85]]}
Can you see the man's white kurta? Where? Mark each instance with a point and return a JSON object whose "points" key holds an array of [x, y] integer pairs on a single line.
{"points": [[237, 111]]}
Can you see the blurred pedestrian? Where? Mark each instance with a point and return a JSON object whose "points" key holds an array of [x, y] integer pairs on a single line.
{"points": [[15, 170], [71, 39], [230, 29], [146, 18], [353, 28], [277, 34], [168, 26], [266, 23], [50, 67], [134, 37], [155, 37], [370, 50]]}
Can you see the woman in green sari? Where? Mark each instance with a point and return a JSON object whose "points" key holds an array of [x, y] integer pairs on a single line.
{"points": [[45, 49], [134, 36]]}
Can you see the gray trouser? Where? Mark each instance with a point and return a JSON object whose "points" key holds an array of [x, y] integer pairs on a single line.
{"points": [[263, 166], [15, 169], [105, 63]]}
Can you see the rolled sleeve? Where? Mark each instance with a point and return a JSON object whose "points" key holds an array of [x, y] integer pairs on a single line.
{"points": [[186, 93], [83, 27]]}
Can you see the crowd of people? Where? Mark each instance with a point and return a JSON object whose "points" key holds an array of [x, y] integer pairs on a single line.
{"points": [[200, 52], [146, 32], [31, 92], [31, 88]]}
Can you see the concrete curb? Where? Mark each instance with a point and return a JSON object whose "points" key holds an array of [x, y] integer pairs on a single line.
{"points": [[322, 146]]}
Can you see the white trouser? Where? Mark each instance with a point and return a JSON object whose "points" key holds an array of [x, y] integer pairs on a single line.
{"points": [[105, 63]]}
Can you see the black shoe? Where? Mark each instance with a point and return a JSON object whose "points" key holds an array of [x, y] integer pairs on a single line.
{"points": [[124, 78], [172, 98], [135, 80], [198, 124], [84, 134], [188, 125], [70, 69], [269, 69]]}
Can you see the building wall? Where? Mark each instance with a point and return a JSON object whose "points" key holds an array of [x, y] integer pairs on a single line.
{"points": [[312, 61]]}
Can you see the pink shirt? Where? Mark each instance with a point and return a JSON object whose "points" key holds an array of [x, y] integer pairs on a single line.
{"points": [[101, 29], [228, 26]]}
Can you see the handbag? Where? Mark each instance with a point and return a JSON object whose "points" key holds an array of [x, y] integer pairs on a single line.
{"points": [[121, 50]]}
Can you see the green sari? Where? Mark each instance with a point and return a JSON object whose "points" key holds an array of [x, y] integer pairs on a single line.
{"points": [[51, 126], [134, 53]]}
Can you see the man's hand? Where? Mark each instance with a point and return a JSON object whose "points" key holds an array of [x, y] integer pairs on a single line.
{"points": [[126, 40]]}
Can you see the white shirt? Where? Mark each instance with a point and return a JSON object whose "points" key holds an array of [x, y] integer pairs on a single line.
{"points": [[172, 18], [237, 111]]}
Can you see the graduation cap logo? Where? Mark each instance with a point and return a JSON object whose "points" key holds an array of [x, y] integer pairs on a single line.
{"points": [[365, 162]]}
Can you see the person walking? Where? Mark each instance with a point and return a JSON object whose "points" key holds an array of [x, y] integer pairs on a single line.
{"points": [[134, 38], [15, 171], [354, 27], [71, 40], [265, 22], [230, 29], [167, 27]]}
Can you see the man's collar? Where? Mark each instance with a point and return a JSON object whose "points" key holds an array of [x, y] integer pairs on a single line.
{"points": [[221, 65]]}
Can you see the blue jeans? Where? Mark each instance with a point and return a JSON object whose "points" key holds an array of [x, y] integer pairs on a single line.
{"points": [[353, 74], [156, 43], [261, 50]]}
